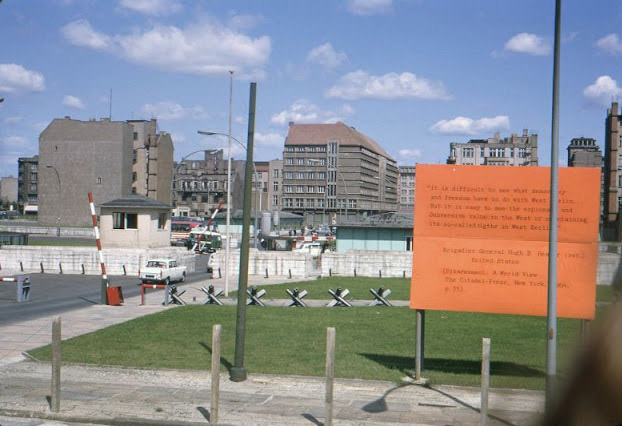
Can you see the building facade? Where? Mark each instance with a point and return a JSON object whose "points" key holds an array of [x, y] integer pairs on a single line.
{"points": [[77, 157], [407, 188], [584, 152], [199, 185], [333, 171], [612, 179], [152, 161], [275, 184], [27, 183], [8, 190], [513, 150]]}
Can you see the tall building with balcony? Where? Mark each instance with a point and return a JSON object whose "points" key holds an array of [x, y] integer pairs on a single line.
{"points": [[199, 185], [334, 173], [513, 150], [152, 161], [27, 183], [612, 181], [407, 188]]}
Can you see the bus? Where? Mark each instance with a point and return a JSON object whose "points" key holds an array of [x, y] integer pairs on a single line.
{"points": [[181, 227]]}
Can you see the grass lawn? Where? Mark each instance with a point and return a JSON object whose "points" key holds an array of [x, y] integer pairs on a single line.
{"points": [[61, 243], [372, 343]]}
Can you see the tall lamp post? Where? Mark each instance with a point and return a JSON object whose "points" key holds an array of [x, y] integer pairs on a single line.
{"points": [[49, 166], [206, 133]]}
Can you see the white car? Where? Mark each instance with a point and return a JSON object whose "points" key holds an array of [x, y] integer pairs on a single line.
{"points": [[162, 271]]}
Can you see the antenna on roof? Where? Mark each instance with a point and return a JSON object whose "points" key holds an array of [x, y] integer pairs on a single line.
{"points": [[110, 106]]}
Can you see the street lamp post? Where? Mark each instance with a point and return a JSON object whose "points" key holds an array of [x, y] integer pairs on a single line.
{"points": [[49, 166]]}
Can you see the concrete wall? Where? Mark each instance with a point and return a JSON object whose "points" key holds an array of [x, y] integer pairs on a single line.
{"points": [[387, 263], [72, 259]]}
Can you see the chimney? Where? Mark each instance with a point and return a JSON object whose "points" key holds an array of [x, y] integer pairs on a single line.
{"points": [[291, 123], [525, 132], [614, 108]]}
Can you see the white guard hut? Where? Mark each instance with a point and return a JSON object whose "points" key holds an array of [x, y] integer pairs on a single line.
{"points": [[135, 221]]}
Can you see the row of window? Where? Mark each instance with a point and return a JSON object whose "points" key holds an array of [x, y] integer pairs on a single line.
{"points": [[317, 203], [493, 152], [309, 189], [122, 220], [305, 175], [314, 148], [290, 161]]}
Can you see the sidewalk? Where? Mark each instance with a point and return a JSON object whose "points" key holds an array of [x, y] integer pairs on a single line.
{"points": [[122, 396]]}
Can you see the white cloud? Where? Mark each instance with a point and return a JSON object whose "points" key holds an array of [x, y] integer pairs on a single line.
{"points": [[303, 111], [326, 56], [369, 7], [152, 7], [274, 140], [14, 142], [244, 22], [12, 120], [172, 111], [204, 48], [610, 44], [16, 78], [73, 102], [360, 84], [410, 153], [528, 43], [468, 126], [80, 33], [602, 91]]}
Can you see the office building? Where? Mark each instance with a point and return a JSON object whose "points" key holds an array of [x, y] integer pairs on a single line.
{"points": [[407, 188], [334, 173]]}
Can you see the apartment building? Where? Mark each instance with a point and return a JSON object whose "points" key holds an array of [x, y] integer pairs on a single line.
{"points": [[152, 161], [275, 184], [199, 185], [77, 157], [584, 152], [334, 173], [27, 183], [513, 150]]}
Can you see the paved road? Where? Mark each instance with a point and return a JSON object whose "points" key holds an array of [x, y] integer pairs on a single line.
{"points": [[53, 294]]}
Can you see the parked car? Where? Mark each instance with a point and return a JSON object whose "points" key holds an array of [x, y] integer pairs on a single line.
{"points": [[162, 271]]}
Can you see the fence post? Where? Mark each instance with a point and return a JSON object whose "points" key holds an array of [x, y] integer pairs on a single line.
{"points": [[83, 271], [380, 273], [21, 266], [266, 273], [60, 267], [124, 270], [41, 264], [330, 374], [219, 273], [354, 272], [485, 380], [213, 412], [56, 357], [290, 273]]}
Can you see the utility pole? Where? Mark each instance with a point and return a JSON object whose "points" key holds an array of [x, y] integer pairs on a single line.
{"points": [[227, 230]]}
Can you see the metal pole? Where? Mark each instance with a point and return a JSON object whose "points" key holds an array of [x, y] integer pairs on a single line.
{"points": [[215, 394], [228, 229], [330, 375], [485, 380], [551, 347], [56, 360], [418, 343], [238, 372]]}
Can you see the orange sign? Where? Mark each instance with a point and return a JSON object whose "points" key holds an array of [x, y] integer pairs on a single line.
{"points": [[481, 239]]}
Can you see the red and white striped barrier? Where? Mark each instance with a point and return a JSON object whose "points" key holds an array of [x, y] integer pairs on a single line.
{"points": [[97, 239], [11, 280]]}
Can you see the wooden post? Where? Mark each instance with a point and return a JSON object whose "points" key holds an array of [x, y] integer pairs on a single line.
{"points": [[330, 374], [56, 357], [60, 267], [213, 412], [485, 380], [419, 344]]}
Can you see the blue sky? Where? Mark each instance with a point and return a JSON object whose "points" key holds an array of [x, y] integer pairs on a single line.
{"points": [[414, 75]]}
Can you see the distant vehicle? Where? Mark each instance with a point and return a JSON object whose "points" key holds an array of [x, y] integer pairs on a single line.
{"points": [[162, 271], [312, 247], [181, 227]]}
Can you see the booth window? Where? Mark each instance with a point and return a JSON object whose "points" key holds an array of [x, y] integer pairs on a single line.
{"points": [[124, 220], [162, 221]]}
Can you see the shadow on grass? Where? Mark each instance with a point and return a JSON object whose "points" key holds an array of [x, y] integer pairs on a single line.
{"points": [[223, 360], [455, 366]]}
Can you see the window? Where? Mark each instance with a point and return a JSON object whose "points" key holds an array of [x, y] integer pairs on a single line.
{"points": [[321, 175], [289, 175], [99, 180], [275, 186], [275, 173], [321, 189], [300, 202], [134, 176], [135, 137], [275, 200], [310, 189], [289, 162], [124, 220], [467, 152], [134, 156], [310, 202], [33, 187], [162, 221], [300, 161], [289, 189], [300, 189], [300, 175]]}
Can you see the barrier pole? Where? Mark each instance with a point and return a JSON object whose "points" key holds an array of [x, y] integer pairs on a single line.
{"points": [[485, 380], [104, 284]]}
